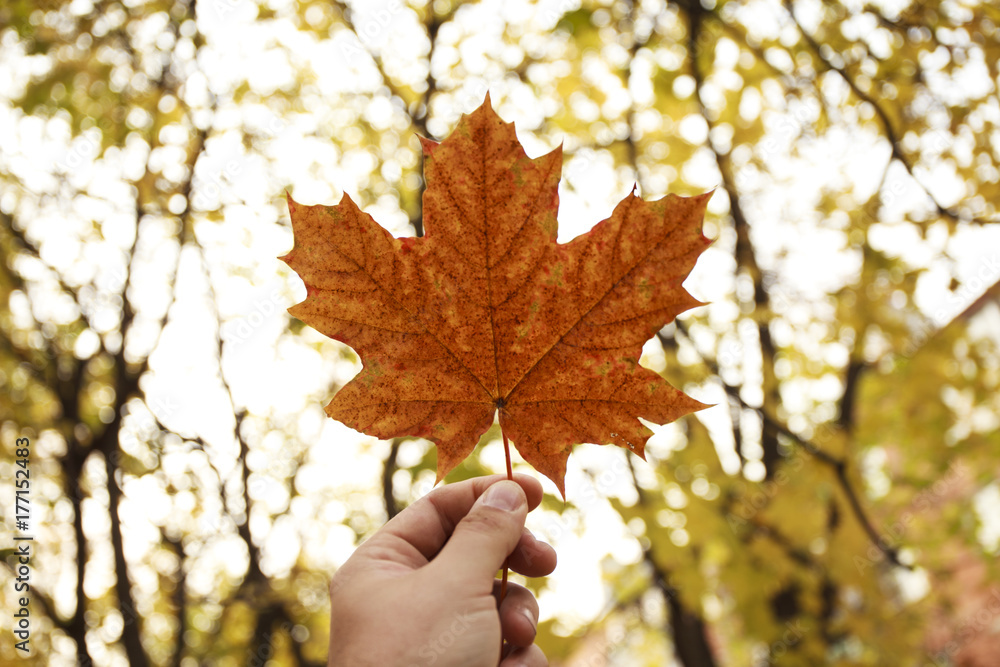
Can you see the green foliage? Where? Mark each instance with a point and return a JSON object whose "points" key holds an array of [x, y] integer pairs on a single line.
{"points": [[822, 513]]}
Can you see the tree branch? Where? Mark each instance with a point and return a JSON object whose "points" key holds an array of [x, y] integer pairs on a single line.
{"points": [[126, 385], [388, 470], [179, 599], [839, 466], [890, 132], [688, 629], [746, 260], [419, 111]]}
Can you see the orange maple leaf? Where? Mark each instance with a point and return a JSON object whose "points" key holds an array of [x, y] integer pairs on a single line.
{"points": [[488, 312]]}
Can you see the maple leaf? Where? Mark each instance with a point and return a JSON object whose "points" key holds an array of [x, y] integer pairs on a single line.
{"points": [[487, 312]]}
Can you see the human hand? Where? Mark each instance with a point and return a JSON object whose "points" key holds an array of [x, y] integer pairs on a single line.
{"points": [[422, 590]]}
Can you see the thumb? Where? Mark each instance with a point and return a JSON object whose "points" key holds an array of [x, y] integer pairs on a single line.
{"points": [[486, 535]]}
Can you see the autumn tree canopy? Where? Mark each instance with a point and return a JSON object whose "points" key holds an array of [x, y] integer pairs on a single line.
{"points": [[190, 499]]}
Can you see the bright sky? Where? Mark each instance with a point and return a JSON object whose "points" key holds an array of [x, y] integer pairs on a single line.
{"points": [[288, 379]]}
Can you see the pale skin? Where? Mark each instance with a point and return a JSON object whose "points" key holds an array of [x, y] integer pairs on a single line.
{"points": [[422, 590]]}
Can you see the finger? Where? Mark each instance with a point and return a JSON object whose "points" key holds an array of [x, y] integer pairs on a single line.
{"points": [[484, 537], [518, 614], [415, 535], [532, 557], [529, 656]]}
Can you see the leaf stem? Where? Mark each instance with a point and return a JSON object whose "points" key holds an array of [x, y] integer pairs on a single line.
{"points": [[506, 453], [506, 562]]}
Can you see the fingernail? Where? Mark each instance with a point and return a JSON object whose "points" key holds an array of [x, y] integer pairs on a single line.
{"points": [[531, 619], [504, 495]]}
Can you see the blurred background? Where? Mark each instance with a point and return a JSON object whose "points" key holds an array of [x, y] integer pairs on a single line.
{"points": [[839, 505]]}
